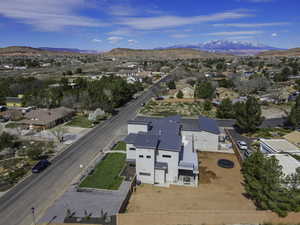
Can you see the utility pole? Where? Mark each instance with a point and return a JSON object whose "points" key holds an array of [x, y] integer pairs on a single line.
{"points": [[33, 215]]}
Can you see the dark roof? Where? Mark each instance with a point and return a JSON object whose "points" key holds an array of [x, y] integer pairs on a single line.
{"points": [[144, 140], [208, 125], [170, 142], [130, 139], [190, 125]]}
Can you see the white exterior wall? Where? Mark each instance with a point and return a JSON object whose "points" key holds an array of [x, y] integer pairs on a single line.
{"points": [[203, 140], [172, 172], [136, 128], [130, 154], [145, 165]]}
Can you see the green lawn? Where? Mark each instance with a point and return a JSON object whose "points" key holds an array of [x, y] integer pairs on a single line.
{"points": [[120, 146], [106, 173], [80, 121]]}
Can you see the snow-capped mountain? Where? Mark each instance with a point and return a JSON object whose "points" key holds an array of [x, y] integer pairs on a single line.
{"points": [[230, 47]]}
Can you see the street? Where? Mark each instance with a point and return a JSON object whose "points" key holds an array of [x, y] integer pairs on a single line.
{"points": [[41, 190]]}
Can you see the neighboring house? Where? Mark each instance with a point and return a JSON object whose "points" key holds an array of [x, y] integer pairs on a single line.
{"points": [[163, 152], [14, 101], [289, 163], [47, 118], [188, 92], [274, 146]]}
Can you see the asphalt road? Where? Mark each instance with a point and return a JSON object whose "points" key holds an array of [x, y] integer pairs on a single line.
{"points": [[41, 190]]}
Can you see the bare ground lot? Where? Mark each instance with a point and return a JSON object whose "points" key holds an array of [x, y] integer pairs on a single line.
{"points": [[219, 189], [218, 200]]}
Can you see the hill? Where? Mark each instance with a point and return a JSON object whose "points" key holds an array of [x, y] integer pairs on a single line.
{"points": [[289, 52], [29, 51], [174, 53]]}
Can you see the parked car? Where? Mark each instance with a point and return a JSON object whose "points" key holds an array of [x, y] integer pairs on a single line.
{"points": [[40, 166], [143, 104], [242, 145], [247, 153]]}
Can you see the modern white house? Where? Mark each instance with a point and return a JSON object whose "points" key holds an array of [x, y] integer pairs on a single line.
{"points": [[274, 146], [163, 153]]}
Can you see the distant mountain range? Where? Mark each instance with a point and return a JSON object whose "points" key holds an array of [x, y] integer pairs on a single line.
{"points": [[74, 50], [228, 47]]}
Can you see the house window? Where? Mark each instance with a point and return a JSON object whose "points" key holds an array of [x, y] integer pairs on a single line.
{"points": [[141, 156], [166, 156], [145, 174], [132, 149], [148, 156]]}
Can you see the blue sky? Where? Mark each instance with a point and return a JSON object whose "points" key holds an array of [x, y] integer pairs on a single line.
{"points": [[107, 24]]}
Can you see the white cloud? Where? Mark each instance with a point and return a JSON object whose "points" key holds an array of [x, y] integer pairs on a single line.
{"points": [[179, 35], [47, 15], [235, 33], [114, 39], [274, 34], [251, 25], [131, 41], [150, 23], [122, 10], [96, 40]]}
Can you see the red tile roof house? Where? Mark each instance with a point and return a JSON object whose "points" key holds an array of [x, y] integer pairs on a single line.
{"points": [[47, 118]]}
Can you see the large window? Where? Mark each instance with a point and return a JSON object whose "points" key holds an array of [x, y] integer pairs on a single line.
{"points": [[145, 174], [132, 149], [166, 156], [141, 156], [148, 156]]}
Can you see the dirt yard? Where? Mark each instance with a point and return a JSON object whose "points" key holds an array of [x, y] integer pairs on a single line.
{"points": [[218, 200], [219, 189]]}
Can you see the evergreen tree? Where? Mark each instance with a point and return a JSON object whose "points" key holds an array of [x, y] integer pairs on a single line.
{"points": [[179, 94], [294, 117], [225, 109], [248, 115], [171, 84], [204, 90]]}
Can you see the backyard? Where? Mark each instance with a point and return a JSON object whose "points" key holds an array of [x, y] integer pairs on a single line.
{"points": [[159, 108], [106, 173], [219, 189]]}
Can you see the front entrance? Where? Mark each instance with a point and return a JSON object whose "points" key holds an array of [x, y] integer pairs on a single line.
{"points": [[160, 176]]}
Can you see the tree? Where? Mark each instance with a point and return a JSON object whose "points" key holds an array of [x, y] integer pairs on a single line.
{"points": [[171, 84], [225, 109], [69, 72], [283, 75], [78, 70], [207, 106], [204, 90], [248, 115], [179, 94], [34, 153], [59, 133], [294, 116]]}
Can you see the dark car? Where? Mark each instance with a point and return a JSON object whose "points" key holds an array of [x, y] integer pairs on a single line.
{"points": [[40, 166]]}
